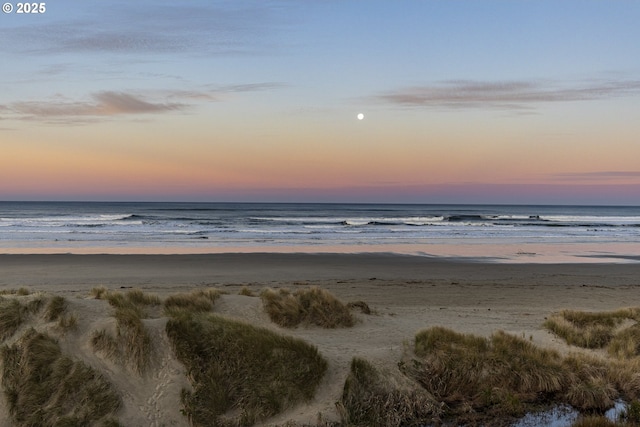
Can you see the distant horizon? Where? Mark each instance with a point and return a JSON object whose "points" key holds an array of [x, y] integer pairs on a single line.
{"points": [[316, 203]]}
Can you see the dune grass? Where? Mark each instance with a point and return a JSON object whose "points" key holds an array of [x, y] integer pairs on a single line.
{"points": [[132, 344], [372, 399], [586, 329], [200, 300], [506, 376], [43, 387], [311, 306], [240, 373], [599, 330], [12, 314]]}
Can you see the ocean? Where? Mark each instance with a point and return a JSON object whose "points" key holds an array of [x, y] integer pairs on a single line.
{"points": [[489, 232]]}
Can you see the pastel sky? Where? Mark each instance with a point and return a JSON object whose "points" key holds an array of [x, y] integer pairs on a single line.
{"points": [[464, 101]]}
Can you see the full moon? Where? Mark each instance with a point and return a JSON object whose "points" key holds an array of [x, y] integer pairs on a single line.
{"points": [[360, 116]]}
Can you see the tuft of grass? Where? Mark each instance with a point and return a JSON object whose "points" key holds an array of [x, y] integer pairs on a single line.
{"points": [[360, 305], [588, 329], [99, 292], [138, 297], [371, 399], [312, 306], [240, 374], [12, 314], [19, 292], [246, 292], [45, 388], [196, 301], [626, 343], [132, 343], [56, 307]]}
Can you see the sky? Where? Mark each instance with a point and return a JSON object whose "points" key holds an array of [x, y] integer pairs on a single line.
{"points": [[477, 101]]}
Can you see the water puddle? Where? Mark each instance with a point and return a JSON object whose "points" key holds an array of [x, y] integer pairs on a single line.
{"points": [[563, 416]]}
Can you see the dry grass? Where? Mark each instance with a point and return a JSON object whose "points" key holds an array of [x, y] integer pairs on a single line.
{"points": [[56, 307], [594, 421], [372, 399], [99, 292], [43, 387], [132, 344], [246, 292], [360, 305], [196, 301], [19, 292], [506, 376], [12, 314], [240, 373], [588, 329], [312, 306]]}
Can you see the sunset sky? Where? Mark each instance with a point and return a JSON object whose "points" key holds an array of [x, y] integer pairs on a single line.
{"points": [[463, 101]]}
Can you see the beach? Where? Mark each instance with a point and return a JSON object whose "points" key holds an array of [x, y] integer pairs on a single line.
{"points": [[405, 293]]}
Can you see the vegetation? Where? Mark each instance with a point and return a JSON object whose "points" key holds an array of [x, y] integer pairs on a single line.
{"points": [[585, 329], [42, 387], [132, 343], [200, 300], [506, 376], [311, 306], [246, 292], [56, 307], [240, 374], [12, 314], [372, 399]]}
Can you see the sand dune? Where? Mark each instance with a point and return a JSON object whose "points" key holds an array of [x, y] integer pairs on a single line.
{"points": [[406, 294]]}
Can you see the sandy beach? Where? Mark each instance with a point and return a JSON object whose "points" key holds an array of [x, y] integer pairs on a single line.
{"points": [[406, 294]]}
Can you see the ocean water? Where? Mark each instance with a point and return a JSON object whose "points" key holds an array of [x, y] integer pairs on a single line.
{"points": [[498, 232]]}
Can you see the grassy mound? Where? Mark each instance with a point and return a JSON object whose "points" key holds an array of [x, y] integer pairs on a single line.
{"points": [[372, 399], [586, 329], [200, 300], [240, 374], [505, 376], [312, 306], [44, 388], [599, 330], [132, 343]]}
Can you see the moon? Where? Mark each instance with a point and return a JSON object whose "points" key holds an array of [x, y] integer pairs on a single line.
{"points": [[360, 116]]}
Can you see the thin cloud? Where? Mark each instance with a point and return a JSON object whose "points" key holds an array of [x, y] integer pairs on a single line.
{"points": [[103, 104], [468, 94], [233, 27], [602, 175]]}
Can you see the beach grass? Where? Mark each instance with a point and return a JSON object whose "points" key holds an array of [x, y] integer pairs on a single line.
{"points": [[505, 375], [311, 306], [12, 314], [599, 330], [42, 387], [201, 300], [240, 374], [132, 344], [370, 398], [55, 308]]}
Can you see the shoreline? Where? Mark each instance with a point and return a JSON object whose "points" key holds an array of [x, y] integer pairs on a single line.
{"points": [[224, 268]]}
